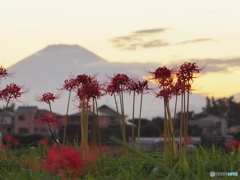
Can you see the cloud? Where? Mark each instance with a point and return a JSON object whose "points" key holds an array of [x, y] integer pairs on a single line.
{"points": [[154, 43], [130, 42], [224, 66], [140, 39], [194, 41], [148, 38], [151, 31]]}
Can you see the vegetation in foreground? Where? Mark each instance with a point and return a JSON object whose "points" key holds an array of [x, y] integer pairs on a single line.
{"points": [[32, 163]]}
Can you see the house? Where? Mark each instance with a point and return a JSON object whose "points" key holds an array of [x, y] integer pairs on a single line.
{"points": [[25, 117], [113, 115], [107, 118], [25, 121], [211, 125], [74, 122]]}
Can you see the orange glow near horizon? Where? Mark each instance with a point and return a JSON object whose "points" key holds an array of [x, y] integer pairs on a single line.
{"points": [[213, 84]]}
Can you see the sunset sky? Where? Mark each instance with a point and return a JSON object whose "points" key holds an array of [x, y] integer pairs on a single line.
{"points": [[161, 31]]}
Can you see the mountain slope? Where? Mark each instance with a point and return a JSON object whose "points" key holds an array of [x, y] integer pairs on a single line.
{"points": [[57, 57]]}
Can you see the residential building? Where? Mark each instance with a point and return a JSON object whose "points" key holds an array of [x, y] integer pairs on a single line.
{"points": [[113, 115], [211, 125], [25, 121], [107, 118], [24, 117], [74, 122]]}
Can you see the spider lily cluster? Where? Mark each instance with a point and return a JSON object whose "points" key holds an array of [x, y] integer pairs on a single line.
{"points": [[175, 82], [87, 90]]}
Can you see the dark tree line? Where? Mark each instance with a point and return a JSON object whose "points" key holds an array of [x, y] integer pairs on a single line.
{"points": [[223, 107], [226, 108]]}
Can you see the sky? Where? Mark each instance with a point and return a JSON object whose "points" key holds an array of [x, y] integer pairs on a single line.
{"points": [[162, 31]]}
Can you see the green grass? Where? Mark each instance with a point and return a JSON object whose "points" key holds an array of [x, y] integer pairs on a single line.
{"points": [[22, 164]]}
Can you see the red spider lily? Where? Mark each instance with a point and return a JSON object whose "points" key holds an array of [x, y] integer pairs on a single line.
{"points": [[180, 87], [47, 118], [69, 84], [111, 89], [3, 72], [138, 86], [64, 161], [233, 145], [142, 86], [15, 141], [184, 75], [44, 141], [163, 76], [117, 84], [84, 79], [87, 87], [166, 93], [12, 91], [93, 89], [187, 71], [47, 97], [121, 79], [8, 138], [161, 73], [89, 90]]}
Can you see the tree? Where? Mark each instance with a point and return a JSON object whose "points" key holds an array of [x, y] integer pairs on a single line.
{"points": [[223, 107]]}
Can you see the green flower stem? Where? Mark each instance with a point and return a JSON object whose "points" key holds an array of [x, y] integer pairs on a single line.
{"points": [[65, 125], [171, 129], [186, 126], [53, 137], [139, 121], [94, 126], [123, 115], [181, 131], [119, 117], [99, 130], [84, 131], [55, 128], [165, 136], [133, 110]]}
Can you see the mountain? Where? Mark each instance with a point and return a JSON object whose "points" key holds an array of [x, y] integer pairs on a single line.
{"points": [[46, 70]]}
